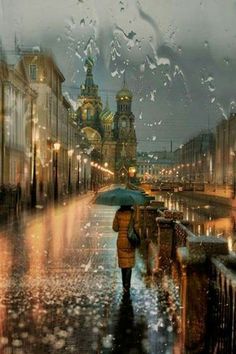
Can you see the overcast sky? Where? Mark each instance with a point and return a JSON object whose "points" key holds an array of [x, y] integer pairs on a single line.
{"points": [[179, 56]]}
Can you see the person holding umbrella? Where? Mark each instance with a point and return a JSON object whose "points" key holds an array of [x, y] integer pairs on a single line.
{"points": [[126, 198], [125, 251]]}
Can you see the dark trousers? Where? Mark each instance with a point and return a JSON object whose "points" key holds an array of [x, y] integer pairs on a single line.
{"points": [[126, 277]]}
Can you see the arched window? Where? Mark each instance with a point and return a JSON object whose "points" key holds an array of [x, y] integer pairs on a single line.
{"points": [[123, 123]]}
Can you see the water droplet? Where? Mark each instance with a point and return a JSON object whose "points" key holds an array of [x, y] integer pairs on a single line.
{"points": [[82, 22]]}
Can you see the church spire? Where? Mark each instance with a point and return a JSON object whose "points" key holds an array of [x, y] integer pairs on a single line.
{"points": [[89, 88], [107, 104], [124, 80]]}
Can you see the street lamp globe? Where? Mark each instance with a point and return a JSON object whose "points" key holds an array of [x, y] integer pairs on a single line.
{"points": [[57, 146], [70, 152]]}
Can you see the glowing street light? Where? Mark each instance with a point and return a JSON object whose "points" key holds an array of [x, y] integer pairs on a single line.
{"points": [[78, 157], [56, 149], [70, 154], [85, 175]]}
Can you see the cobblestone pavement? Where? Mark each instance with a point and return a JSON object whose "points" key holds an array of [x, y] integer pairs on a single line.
{"points": [[60, 288]]}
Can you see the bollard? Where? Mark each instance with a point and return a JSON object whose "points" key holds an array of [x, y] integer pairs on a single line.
{"points": [[146, 217], [165, 241]]}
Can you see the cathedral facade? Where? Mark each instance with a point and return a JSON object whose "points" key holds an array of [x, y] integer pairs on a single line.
{"points": [[112, 136]]}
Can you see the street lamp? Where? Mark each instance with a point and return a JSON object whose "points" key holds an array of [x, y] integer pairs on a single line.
{"points": [[233, 154], [56, 147], [92, 176], [70, 154], [34, 180], [85, 175], [34, 156], [78, 157]]}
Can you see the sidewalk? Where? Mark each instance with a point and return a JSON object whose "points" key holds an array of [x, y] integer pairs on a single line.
{"points": [[34, 214]]}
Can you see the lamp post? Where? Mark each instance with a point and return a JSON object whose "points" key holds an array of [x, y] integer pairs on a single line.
{"points": [[34, 179], [78, 157], [92, 176], [85, 175], [70, 154], [105, 173], [56, 147], [234, 174], [34, 156]]}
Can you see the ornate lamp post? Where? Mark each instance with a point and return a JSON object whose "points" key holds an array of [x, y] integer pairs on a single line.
{"points": [[56, 147], [70, 154], [85, 175], [78, 157]]}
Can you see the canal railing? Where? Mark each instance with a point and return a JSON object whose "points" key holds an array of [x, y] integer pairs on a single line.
{"points": [[204, 272]]}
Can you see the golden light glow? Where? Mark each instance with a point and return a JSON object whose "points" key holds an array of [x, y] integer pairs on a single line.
{"points": [[57, 146], [70, 152]]}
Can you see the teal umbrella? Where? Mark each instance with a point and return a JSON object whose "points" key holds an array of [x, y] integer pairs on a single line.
{"points": [[121, 196]]}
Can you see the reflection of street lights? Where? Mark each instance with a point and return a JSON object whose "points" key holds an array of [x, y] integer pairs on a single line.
{"points": [[56, 147], [85, 176], [78, 157], [70, 153]]}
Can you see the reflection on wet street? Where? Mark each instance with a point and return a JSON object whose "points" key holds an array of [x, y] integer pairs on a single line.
{"points": [[61, 292]]}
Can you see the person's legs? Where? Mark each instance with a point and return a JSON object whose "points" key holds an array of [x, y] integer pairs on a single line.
{"points": [[123, 272], [126, 277]]}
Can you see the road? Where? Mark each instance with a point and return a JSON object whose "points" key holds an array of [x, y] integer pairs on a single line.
{"points": [[61, 291]]}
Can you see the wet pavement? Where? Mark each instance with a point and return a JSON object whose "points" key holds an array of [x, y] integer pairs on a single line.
{"points": [[61, 291]]}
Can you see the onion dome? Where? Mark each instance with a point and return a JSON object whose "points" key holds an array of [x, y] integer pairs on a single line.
{"points": [[124, 93], [106, 115]]}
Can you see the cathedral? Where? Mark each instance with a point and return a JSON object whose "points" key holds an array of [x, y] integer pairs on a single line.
{"points": [[112, 136]]}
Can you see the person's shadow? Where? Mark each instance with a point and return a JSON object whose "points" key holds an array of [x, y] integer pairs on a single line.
{"points": [[128, 333]]}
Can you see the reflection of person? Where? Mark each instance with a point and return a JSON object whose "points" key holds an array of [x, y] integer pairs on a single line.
{"points": [[126, 253]]}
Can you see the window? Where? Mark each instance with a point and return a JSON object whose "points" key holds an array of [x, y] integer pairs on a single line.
{"points": [[33, 72], [123, 123]]}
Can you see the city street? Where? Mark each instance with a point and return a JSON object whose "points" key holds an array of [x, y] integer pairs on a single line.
{"points": [[61, 291]]}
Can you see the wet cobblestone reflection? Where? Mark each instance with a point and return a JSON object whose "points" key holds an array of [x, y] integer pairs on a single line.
{"points": [[60, 289]]}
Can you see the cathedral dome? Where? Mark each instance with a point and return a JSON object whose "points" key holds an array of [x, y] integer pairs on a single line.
{"points": [[106, 115], [124, 93]]}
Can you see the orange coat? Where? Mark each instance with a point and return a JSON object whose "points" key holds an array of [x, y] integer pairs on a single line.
{"points": [[126, 253]]}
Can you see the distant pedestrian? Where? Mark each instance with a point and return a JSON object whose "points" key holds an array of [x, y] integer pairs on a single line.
{"points": [[126, 252]]}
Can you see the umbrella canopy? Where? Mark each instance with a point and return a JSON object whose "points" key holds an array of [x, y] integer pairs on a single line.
{"points": [[121, 196]]}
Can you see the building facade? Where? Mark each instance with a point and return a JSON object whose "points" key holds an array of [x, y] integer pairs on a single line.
{"points": [[112, 137], [59, 142], [18, 111], [43, 150], [195, 160], [151, 166], [225, 151]]}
